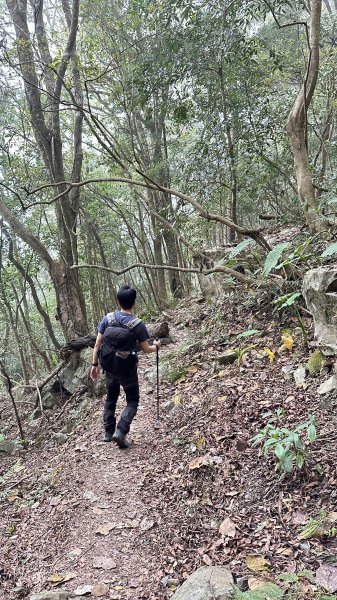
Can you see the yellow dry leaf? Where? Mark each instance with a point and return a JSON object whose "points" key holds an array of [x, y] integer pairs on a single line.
{"points": [[192, 369], [200, 443], [288, 342], [176, 399], [270, 354], [59, 578], [257, 563]]}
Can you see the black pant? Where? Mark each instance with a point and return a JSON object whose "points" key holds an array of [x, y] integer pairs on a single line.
{"points": [[125, 375]]}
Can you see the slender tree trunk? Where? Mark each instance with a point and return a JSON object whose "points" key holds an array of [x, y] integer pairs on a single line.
{"points": [[297, 127]]}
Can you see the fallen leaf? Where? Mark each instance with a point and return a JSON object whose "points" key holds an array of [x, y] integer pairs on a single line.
{"points": [[232, 493], [300, 518], [105, 528], [103, 562], [288, 342], [201, 442], [227, 528], [257, 563], [254, 583], [270, 354], [146, 524], [75, 553], [83, 590], [131, 523], [207, 560], [284, 551], [59, 578], [326, 576], [198, 462], [99, 590]]}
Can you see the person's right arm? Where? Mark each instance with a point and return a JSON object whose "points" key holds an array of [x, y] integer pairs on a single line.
{"points": [[95, 366], [145, 346]]}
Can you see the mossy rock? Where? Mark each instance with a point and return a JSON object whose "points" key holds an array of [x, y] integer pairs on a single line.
{"points": [[317, 362]]}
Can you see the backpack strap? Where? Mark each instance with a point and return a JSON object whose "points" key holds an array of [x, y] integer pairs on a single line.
{"points": [[133, 323], [111, 317]]}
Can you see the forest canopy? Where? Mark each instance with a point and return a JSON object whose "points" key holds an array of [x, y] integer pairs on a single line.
{"points": [[139, 137]]}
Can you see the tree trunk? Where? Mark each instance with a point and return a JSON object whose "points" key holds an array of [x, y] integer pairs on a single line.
{"points": [[297, 127]]}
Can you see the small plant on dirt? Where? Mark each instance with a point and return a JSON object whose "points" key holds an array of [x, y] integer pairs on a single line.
{"points": [[290, 301], [288, 445]]}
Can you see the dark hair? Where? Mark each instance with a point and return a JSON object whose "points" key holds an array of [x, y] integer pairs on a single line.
{"points": [[126, 296]]}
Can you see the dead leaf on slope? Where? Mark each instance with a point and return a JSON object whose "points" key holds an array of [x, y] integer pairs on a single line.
{"points": [[254, 583], [326, 576], [58, 578], [227, 528], [257, 563], [146, 524], [105, 528]]}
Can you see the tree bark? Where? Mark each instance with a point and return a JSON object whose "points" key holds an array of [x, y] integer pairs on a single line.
{"points": [[297, 127]]}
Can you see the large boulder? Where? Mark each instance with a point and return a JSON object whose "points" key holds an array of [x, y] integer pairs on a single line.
{"points": [[320, 292], [207, 583]]}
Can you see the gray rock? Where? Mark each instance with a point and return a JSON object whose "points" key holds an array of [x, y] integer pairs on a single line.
{"points": [[7, 446], [207, 583], [60, 438], [51, 595], [320, 292], [299, 376], [48, 399], [287, 371], [328, 386]]}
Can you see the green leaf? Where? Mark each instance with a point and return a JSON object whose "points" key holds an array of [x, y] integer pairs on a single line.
{"points": [[299, 460], [312, 433], [280, 451], [273, 257], [244, 244], [248, 333], [2, 437], [330, 250], [287, 462]]}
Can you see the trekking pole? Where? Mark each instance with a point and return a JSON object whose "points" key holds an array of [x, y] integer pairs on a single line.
{"points": [[157, 367]]}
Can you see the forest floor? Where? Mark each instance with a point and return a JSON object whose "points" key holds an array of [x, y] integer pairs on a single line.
{"points": [[133, 524]]}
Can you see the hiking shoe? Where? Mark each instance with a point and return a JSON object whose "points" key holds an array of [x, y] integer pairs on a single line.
{"points": [[120, 439], [108, 436]]}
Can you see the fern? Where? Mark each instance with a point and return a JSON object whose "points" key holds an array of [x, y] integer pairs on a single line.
{"points": [[273, 257], [330, 250]]}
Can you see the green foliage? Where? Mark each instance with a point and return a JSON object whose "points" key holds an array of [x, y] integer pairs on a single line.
{"points": [[248, 333], [2, 437], [273, 257], [239, 248], [288, 445]]}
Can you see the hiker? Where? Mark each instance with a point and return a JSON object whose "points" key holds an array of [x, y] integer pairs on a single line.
{"points": [[119, 360]]}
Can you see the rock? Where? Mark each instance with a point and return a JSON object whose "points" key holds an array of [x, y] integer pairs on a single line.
{"points": [[51, 595], [299, 376], [328, 386], [207, 583], [317, 361], [48, 399], [320, 292], [287, 372], [60, 438], [228, 359], [7, 446], [158, 330]]}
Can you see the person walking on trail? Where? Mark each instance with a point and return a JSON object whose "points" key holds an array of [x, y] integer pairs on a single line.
{"points": [[115, 347]]}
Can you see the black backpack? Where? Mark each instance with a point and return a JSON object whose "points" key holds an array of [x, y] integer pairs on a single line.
{"points": [[118, 341]]}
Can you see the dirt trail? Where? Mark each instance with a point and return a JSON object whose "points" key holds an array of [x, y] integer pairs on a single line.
{"points": [[92, 484]]}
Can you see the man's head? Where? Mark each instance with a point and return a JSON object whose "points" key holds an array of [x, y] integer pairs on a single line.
{"points": [[126, 297]]}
